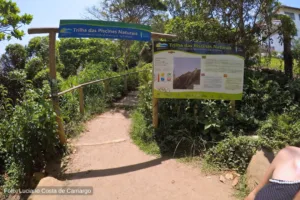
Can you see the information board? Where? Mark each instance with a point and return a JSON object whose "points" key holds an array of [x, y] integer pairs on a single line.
{"points": [[103, 29], [197, 70]]}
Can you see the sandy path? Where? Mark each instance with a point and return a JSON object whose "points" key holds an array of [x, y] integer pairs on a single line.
{"points": [[107, 159]]}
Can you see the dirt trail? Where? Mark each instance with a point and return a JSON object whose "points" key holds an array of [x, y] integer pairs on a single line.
{"points": [[107, 159]]}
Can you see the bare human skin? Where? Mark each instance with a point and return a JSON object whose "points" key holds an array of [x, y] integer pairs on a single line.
{"points": [[285, 166]]}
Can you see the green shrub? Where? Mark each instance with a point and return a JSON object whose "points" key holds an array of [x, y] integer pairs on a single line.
{"points": [[142, 133], [191, 126], [28, 136], [69, 105], [233, 153], [281, 130]]}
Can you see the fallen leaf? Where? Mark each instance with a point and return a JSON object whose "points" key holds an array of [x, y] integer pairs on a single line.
{"points": [[236, 174], [173, 181], [235, 181], [222, 179], [229, 176]]}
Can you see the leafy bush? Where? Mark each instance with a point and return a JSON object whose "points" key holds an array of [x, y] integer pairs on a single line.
{"points": [[28, 136], [281, 130], [233, 153], [145, 92], [190, 125], [142, 133], [195, 126]]}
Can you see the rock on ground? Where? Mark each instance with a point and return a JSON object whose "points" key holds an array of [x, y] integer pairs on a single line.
{"points": [[257, 167]]}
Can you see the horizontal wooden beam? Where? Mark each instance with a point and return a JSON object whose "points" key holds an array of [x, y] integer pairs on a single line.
{"points": [[42, 30], [154, 35], [97, 81]]}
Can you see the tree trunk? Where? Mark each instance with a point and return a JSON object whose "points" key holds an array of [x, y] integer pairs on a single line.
{"points": [[287, 55]]}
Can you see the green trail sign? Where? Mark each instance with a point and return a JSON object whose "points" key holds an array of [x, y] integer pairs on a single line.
{"points": [[103, 29]]}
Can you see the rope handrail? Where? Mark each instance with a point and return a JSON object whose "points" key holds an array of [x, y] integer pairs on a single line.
{"points": [[97, 81]]}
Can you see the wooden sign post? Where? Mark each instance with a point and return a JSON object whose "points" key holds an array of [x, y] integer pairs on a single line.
{"points": [[53, 82], [154, 100], [156, 36]]}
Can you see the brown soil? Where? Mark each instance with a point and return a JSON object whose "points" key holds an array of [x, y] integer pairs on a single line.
{"points": [[107, 160]]}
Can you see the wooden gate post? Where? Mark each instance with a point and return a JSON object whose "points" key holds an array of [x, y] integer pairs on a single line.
{"points": [[53, 82], [54, 89], [81, 100], [125, 85], [106, 87]]}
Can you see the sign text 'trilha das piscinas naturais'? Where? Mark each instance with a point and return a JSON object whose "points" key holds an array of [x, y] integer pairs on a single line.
{"points": [[103, 29]]}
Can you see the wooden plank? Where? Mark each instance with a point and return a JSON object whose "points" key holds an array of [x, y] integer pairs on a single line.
{"points": [[106, 87], [125, 85], [42, 30], [97, 81], [155, 35], [81, 100], [54, 89]]}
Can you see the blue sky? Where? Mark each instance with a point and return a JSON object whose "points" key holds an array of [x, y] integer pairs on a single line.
{"points": [[47, 13]]}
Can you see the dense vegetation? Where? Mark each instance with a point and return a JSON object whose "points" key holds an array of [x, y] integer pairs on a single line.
{"points": [[269, 108], [28, 127], [270, 101]]}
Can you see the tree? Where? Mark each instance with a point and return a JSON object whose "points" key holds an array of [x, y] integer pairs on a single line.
{"points": [[13, 58], [187, 8], [198, 28], [287, 30], [158, 23], [33, 67], [75, 53], [39, 47], [296, 54], [11, 20], [129, 11], [248, 19]]}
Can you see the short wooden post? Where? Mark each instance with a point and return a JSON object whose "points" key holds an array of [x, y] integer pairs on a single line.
{"points": [[125, 85], [195, 110], [155, 112], [232, 107], [54, 89], [81, 100], [106, 87]]}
